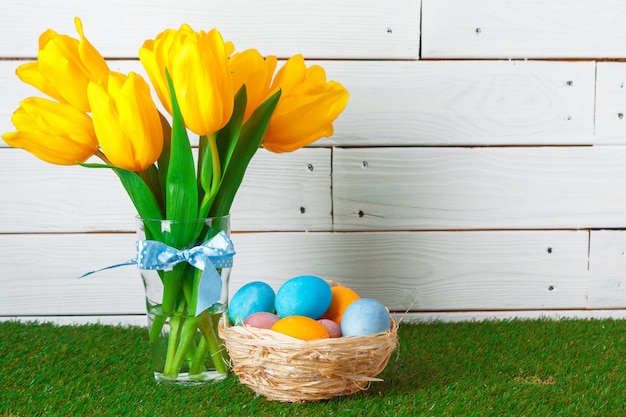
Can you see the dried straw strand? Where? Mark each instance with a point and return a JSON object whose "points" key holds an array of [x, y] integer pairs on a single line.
{"points": [[282, 368]]}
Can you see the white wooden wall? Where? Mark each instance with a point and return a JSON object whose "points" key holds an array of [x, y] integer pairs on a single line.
{"points": [[478, 171]]}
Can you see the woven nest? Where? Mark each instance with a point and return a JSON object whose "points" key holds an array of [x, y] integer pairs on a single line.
{"points": [[282, 368]]}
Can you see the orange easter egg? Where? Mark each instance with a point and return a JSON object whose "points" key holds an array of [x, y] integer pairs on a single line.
{"points": [[300, 327], [342, 297]]}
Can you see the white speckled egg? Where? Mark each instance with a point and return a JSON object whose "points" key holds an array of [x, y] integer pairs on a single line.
{"points": [[365, 316]]}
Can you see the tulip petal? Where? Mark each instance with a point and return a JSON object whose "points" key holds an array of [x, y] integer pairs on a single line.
{"points": [[54, 132], [126, 121], [198, 65], [64, 68]]}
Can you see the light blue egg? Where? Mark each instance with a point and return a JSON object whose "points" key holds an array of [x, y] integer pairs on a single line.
{"points": [[251, 298], [365, 316], [305, 295]]}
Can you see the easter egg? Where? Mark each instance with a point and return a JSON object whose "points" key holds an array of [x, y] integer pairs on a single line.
{"points": [[333, 329], [342, 297], [304, 295], [261, 320], [251, 298], [300, 327], [365, 316]]}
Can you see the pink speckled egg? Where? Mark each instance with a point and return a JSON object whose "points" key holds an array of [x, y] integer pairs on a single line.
{"points": [[333, 328], [261, 320]]}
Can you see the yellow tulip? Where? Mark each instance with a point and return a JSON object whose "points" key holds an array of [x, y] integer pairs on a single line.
{"points": [[307, 108], [308, 103], [64, 68], [250, 68], [197, 63], [126, 121], [54, 132]]}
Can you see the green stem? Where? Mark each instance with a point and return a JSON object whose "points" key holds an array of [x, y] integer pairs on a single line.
{"points": [[170, 369], [209, 331], [171, 287], [157, 325], [217, 168], [187, 335], [197, 362]]}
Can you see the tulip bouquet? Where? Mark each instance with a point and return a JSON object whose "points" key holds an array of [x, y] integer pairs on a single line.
{"points": [[235, 102]]}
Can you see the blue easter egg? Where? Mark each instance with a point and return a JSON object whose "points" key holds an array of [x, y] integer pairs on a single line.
{"points": [[365, 316], [305, 295], [251, 298]]}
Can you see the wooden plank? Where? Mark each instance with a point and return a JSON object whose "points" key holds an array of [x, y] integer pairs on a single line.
{"points": [[607, 266], [526, 29], [611, 103], [447, 317], [323, 29], [479, 188], [402, 318], [418, 271], [280, 192], [403, 103], [465, 103], [40, 275]]}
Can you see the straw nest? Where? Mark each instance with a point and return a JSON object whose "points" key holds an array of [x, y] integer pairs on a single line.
{"points": [[282, 368]]}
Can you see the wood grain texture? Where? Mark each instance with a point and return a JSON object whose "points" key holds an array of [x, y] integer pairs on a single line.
{"points": [[405, 270], [323, 29], [412, 317], [417, 103], [479, 188], [457, 184], [41, 198], [607, 267], [465, 103], [611, 103], [523, 29]]}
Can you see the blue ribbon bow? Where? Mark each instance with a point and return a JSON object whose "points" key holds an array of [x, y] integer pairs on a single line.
{"points": [[215, 253]]}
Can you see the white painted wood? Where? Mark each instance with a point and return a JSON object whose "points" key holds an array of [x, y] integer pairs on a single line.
{"points": [[42, 198], [399, 103], [320, 29], [449, 231], [288, 191], [465, 103], [40, 275], [479, 188], [607, 265], [419, 271], [512, 315], [432, 271], [611, 103], [523, 29], [402, 318]]}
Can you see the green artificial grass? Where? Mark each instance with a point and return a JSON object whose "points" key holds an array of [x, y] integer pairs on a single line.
{"points": [[490, 368]]}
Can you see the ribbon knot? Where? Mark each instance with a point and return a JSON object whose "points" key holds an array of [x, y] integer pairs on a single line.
{"points": [[215, 253], [218, 251]]}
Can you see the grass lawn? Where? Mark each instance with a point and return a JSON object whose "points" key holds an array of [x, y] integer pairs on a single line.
{"points": [[490, 368]]}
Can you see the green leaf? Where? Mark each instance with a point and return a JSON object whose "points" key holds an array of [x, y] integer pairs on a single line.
{"points": [[181, 193], [139, 192], [151, 178], [250, 140], [164, 159], [226, 140], [228, 136], [205, 168]]}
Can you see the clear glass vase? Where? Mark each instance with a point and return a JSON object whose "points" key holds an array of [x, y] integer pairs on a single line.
{"points": [[184, 307]]}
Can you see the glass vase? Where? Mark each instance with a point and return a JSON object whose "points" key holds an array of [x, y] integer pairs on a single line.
{"points": [[183, 312]]}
